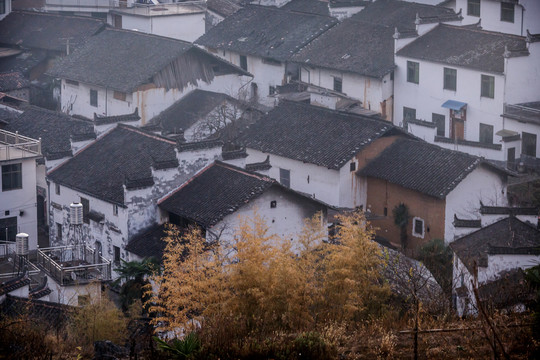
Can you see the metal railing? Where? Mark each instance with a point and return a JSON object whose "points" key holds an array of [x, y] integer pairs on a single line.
{"points": [[12, 264], [76, 264], [15, 146], [89, 3]]}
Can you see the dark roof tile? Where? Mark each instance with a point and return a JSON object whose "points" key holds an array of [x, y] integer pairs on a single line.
{"points": [[308, 6], [470, 48], [223, 7], [422, 167], [13, 81], [13, 284], [149, 243], [266, 32], [103, 119], [313, 134]]}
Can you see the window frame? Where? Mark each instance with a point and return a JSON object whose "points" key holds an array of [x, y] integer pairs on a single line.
{"points": [[116, 255], [413, 72], [3, 7], [449, 79], [487, 86], [11, 225], [485, 133], [285, 177], [93, 98], [8, 171], [243, 62], [507, 13], [405, 118], [472, 5], [417, 234], [435, 119], [338, 84]]}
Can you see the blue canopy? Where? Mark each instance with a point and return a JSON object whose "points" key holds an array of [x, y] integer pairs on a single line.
{"points": [[454, 105]]}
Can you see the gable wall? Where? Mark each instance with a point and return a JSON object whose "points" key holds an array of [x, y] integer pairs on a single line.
{"points": [[490, 14]]}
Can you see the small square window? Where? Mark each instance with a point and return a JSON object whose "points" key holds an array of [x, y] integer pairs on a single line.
{"points": [[115, 210], [285, 177], [450, 79], [93, 98], [413, 72], [507, 12], [418, 227], [57, 189], [473, 8], [11, 177], [352, 166], [273, 204], [338, 84], [488, 86]]}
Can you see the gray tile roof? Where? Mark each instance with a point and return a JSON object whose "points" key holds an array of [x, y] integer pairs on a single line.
{"points": [[422, 167], [266, 32], [122, 60], [124, 156], [47, 31], [354, 46], [506, 236], [13, 81], [465, 47], [149, 243], [402, 14], [223, 7], [313, 134], [54, 128], [308, 6]]}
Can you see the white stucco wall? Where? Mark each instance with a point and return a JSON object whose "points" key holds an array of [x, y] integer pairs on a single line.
{"points": [[342, 13], [370, 91], [69, 295], [339, 188], [482, 184], [523, 75], [21, 203], [428, 95], [286, 220], [187, 27]]}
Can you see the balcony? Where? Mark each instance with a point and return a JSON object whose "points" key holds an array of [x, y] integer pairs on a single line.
{"points": [[14, 146], [86, 5], [74, 265], [11, 264]]}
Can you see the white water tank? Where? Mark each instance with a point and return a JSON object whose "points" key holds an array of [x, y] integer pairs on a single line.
{"points": [[21, 244], [76, 213]]}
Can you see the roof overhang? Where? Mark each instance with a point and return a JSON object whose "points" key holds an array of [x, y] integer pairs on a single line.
{"points": [[454, 105]]}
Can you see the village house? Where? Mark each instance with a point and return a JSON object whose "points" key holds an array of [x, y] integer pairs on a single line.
{"points": [[61, 137], [219, 197], [351, 66], [491, 259], [119, 193], [18, 210], [262, 40], [112, 74], [317, 151], [454, 94], [182, 21], [438, 186], [507, 16]]}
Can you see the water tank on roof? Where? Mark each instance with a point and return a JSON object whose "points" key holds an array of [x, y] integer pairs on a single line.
{"points": [[76, 213], [21, 244]]}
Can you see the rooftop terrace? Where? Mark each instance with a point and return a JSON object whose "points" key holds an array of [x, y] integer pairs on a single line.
{"points": [[14, 146]]}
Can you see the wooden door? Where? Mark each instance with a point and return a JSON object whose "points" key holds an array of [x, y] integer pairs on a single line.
{"points": [[458, 129]]}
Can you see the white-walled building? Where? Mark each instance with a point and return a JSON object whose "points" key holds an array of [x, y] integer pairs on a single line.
{"points": [[317, 151], [18, 210], [262, 40], [491, 259], [94, 8], [455, 93], [182, 21], [506, 16], [118, 71], [118, 179], [221, 196]]}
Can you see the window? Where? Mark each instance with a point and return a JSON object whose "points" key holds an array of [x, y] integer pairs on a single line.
{"points": [[86, 209], [11, 177], [243, 62], [273, 204], [528, 145], [2, 6], [285, 177], [352, 166], [93, 98], [8, 229], [57, 189], [439, 121], [115, 210], [418, 227], [486, 134], [507, 12], [58, 231], [338, 84], [488, 86], [116, 255], [408, 114], [271, 90], [473, 7], [413, 72], [72, 82], [118, 95], [450, 79]]}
